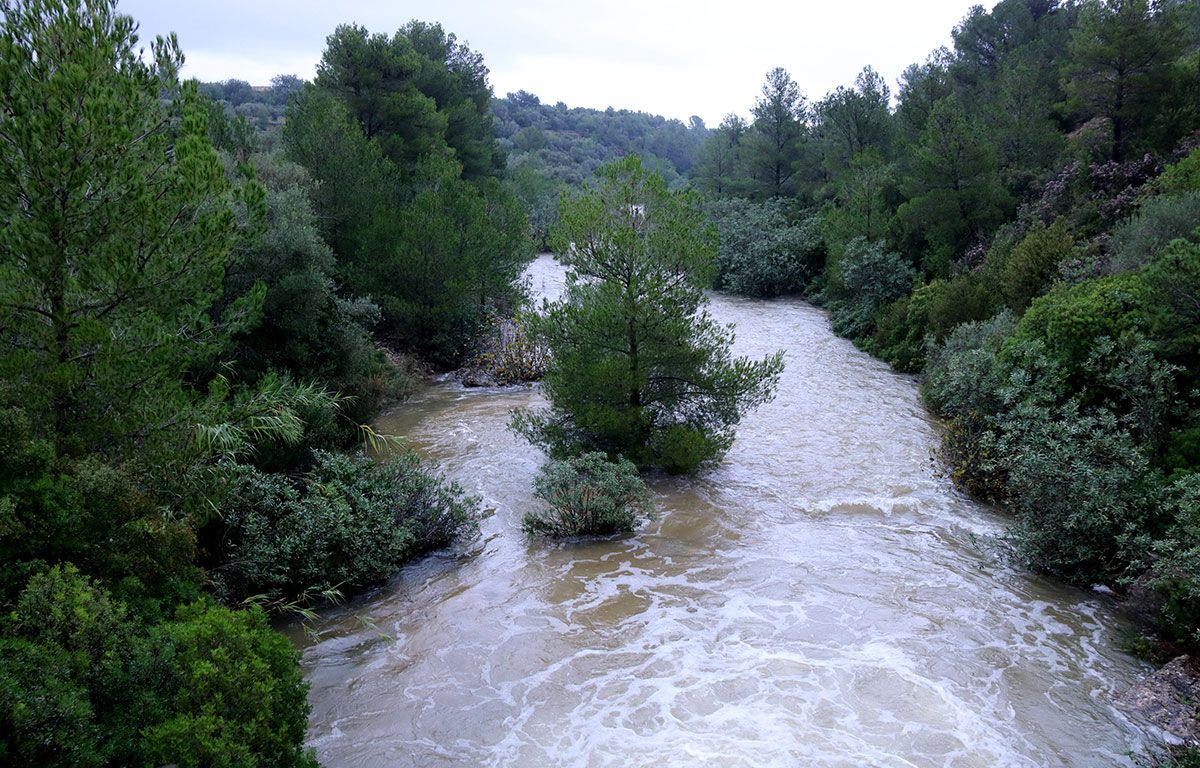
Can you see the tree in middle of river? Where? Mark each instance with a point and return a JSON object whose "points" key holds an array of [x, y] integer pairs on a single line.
{"points": [[639, 368]]}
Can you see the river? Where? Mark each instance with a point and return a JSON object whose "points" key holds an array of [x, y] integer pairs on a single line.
{"points": [[823, 598]]}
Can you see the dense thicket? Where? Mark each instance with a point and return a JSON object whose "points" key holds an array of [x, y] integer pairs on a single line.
{"points": [[398, 139], [189, 352], [1024, 226]]}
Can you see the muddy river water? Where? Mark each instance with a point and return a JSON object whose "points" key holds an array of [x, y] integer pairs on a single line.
{"points": [[823, 598]]}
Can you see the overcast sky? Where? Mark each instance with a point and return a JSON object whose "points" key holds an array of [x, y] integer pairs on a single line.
{"points": [[672, 58]]}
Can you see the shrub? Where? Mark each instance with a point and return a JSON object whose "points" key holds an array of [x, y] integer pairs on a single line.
{"points": [[965, 299], [961, 375], [761, 253], [349, 523], [78, 680], [240, 699], [1159, 221], [1070, 319], [1034, 261], [82, 683], [87, 512], [871, 278], [1176, 569], [1022, 376], [1078, 483], [1183, 176], [899, 328], [1174, 311], [589, 495]]}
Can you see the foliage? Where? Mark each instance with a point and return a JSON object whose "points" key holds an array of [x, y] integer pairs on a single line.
{"points": [[638, 368], [1033, 262], [589, 495], [86, 512], [83, 683], [1159, 221], [719, 164], [853, 121], [568, 144], [97, 315], [306, 328], [510, 353], [1176, 561], [871, 277], [238, 698], [1070, 319], [348, 523], [69, 657], [1078, 484], [761, 252], [165, 317], [863, 206], [1183, 176]]}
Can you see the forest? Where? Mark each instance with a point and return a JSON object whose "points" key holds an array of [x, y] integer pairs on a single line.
{"points": [[210, 291]]}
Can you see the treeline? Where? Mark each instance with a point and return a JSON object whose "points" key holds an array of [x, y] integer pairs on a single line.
{"points": [[1022, 226], [261, 106], [554, 149], [192, 312]]}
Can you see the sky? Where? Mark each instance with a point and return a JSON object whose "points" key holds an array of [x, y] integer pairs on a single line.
{"points": [[703, 57]]}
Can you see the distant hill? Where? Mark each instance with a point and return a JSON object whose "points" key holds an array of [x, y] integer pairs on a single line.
{"points": [[568, 143]]}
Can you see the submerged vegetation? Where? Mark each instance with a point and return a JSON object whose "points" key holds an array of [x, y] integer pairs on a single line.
{"points": [[589, 495]]}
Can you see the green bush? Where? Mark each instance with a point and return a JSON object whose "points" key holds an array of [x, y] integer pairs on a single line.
{"points": [[1159, 221], [967, 298], [239, 697], [78, 677], [350, 522], [1176, 562], [1174, 309], [761, 253], [1183, 176], [83, 683], [1070, 319], [899, 329], [872, 277], [961, 375], [1078, 484], [87, 512], [1030, 266], [589, 495]]}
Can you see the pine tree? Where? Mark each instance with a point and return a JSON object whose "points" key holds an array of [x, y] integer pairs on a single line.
{"points": [[638, 366], [117, 220]]}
